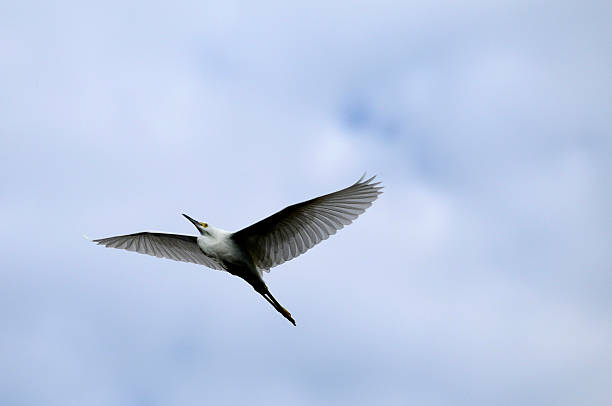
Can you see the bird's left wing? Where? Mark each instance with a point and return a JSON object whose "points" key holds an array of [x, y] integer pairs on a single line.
{"points": [[177, 247], [297, 228]]}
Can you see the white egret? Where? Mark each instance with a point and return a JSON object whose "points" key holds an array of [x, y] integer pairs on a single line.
{"points": [[263, 245]]}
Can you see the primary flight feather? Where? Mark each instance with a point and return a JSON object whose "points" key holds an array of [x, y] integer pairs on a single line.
{"points": [[263, 245]]}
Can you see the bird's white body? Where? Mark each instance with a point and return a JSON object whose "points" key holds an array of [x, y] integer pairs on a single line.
{"points": [[218, 244]]}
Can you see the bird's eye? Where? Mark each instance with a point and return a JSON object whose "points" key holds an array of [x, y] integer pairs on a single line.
{"points": [[204, 225]]}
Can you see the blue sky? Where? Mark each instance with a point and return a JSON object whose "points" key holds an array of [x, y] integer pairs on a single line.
{"points": [[481, 276]]}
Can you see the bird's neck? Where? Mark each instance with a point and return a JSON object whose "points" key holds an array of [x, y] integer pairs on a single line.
{"points": [[215, 233]]}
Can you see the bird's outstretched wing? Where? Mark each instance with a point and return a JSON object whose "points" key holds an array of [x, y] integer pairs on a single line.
{"points": [[163, 245], [297, 228]]}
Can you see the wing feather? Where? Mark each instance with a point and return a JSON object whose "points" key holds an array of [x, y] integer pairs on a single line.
{"points": [[177, 247], [297, 228]]}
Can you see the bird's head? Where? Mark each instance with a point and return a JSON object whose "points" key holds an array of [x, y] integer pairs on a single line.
{"points": [[201, 226]]}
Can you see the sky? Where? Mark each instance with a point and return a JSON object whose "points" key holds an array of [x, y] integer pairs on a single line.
{"points": [[481, 276]]}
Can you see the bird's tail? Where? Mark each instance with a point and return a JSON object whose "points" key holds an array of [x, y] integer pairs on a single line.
{"points": [[268, 296]]}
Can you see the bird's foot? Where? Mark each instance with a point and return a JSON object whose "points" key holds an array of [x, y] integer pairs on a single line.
{"points": [[287, 315]]}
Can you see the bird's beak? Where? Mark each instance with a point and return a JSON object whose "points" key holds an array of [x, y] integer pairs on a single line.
{"points": [[195, 223]]}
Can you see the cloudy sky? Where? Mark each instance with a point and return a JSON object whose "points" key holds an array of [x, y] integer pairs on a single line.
{"points": [[481, 276]]}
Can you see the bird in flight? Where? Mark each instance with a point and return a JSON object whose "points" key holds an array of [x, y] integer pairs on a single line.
{"points": [[260, 246]]}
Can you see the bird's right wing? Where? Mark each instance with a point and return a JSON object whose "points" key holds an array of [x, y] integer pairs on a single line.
{"points": [[177, 247], [297, 228]]}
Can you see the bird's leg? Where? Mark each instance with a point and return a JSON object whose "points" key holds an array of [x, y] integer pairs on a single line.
{"points": [[281, 309], [268, 299], [268, 296]]}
